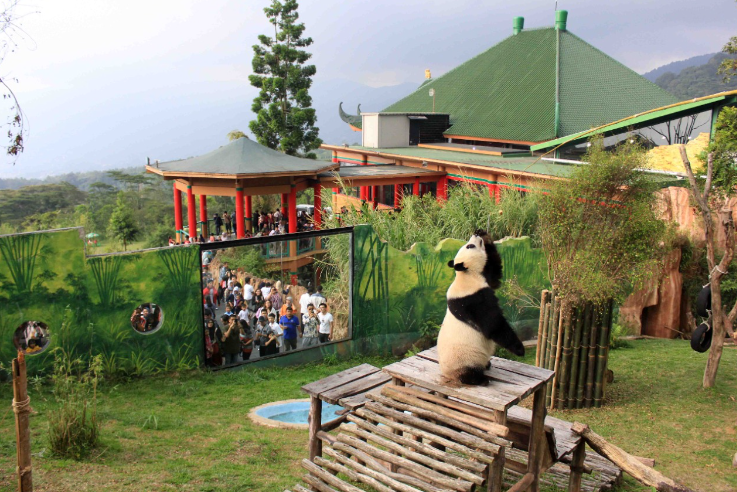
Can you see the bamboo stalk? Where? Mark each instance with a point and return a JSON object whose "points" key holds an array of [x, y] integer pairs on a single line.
{"points": [[544, 342], [543, 302], [575, 357], [552, 385], [591, 363], [603, 354], [583, 358], [565, 364], [553, 343]]}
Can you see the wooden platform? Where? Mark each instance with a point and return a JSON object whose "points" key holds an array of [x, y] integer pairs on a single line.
{"points": [[403, 430]]}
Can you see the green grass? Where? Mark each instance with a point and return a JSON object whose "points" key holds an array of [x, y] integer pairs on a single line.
{"points": [[191, 432]]}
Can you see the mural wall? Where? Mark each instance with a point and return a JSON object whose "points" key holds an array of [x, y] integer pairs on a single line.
{"points": [[87, 301]]}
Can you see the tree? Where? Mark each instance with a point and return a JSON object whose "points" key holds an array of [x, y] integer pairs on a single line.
{"points": [[285, 120], [235, 135], [712, 193], [123, 225]]}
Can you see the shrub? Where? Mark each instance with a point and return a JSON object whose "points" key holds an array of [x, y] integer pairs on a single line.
{"points": [[73, 427]]}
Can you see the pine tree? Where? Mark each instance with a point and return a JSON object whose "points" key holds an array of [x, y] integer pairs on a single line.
{"points": [[285, 120], [122, 222]]}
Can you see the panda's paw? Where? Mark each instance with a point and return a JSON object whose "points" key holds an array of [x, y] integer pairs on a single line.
{"points": [[488, 364], [473, 375]]}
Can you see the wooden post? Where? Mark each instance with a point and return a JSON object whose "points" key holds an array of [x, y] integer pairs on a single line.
{"points": [[496, 470], [537, 437], [315, 422], [579, 455], [21, 407]]}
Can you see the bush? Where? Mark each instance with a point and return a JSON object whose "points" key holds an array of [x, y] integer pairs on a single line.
{"points": [[73, 427]]}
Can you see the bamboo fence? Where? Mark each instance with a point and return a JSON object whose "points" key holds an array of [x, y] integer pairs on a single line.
{"points": [[573, 341]]}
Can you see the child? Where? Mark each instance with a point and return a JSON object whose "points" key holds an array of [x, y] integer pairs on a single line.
{"points": [[277, 330]]}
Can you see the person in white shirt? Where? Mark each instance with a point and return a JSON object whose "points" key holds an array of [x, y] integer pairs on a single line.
{"points": [[266, 291], [318, 298], [245, 315], [325, 332], [248, 289], [304, 300], [278, 330]]}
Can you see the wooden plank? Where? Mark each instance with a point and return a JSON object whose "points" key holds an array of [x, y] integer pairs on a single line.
{"points": [[382, 477], [536, 373], [425, 414], [425, 373], [328, 478], [352, 474], [565, 439], [416, 432], [537, 440], [315, 425], [375, 464], [355, 387], [416, 457], [436, 477], [523, 484], [464, 407], [418, 446], [577, 468], [317, 484], [325, 384], [353, 402], [496, 470]]}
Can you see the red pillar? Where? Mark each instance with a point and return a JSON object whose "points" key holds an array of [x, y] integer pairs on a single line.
{"points": [[178, 221], [442, 186], [375, 196], [318, 206], [203, 214], [293, 209], [249, 214], [239, 222], [191, 213], [364, 189], [416, 187], [397, 195], [284, 203], [335, 157]]}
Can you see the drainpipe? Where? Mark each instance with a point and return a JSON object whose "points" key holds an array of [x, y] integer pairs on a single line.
{"points": [[561, 17]]}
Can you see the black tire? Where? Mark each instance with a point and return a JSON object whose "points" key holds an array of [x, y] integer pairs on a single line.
{"points": [[703, 302], [701, 338]]}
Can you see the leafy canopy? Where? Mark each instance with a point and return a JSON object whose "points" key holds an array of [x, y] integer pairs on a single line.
{"points": [[123, 225], [600, 229], [724, 152], [285, 119]]}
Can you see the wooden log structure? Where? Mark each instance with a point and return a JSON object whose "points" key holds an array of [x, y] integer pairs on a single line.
{"points": [[630, 464], [21, 408]]}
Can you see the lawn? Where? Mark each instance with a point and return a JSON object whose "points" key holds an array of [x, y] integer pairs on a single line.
{"points": [[191, 432]]}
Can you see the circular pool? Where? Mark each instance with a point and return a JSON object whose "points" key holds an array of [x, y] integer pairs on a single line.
{"points": [[290, 414]]}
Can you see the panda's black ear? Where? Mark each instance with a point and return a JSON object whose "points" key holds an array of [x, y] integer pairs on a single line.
{"points": [[450, 264]]}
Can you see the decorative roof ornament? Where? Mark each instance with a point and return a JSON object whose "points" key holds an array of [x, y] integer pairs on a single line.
{"points": [[354, 121]]}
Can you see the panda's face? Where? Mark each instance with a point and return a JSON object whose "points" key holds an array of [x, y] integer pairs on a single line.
{"points": [[471, 257]]}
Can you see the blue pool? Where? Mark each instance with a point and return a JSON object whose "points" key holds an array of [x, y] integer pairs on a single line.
{"points": [[296, 412]]}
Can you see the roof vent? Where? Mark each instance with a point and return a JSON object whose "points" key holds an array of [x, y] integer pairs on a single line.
{"points": [[561, 17], [518, 23]]}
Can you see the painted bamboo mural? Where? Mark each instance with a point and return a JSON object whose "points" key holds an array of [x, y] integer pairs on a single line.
{"points": [[106, 272], [182, 264], [574, 342], [20, 253]]}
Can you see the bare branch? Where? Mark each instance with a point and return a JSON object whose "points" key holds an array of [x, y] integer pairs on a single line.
{"points": [[709, 175]]}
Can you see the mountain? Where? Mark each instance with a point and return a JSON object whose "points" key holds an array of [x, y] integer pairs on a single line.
{"points": [[676, 66], [79, 180], [697, 81], [73, 129]]}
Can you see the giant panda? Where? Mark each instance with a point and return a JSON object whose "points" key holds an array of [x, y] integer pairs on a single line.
{"points": [[474, 323]]}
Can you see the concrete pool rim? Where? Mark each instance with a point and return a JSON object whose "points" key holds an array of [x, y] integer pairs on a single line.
{"points": [[265, 421]]}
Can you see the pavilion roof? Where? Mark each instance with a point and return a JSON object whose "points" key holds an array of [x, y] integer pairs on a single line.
{"points": [[241, 158]]}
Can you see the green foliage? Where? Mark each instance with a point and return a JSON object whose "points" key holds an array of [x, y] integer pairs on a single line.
{"points": [[123, 226], [699, 81], [235, 135], [285, 119], [248, 258], [73, 426], [728, 66], [16, 206], [723, 148], [600, 229]]}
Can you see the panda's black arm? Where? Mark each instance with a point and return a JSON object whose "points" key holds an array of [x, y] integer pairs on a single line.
{"points": [[481, 311]]}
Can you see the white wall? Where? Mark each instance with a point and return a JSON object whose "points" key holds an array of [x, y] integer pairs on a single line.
{"points": [[382, 131], [370, 130]]}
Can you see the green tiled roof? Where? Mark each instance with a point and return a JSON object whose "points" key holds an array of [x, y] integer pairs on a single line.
{"points": [[531, 165], [508, 91]]}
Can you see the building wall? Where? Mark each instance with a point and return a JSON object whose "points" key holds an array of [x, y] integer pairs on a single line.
{"points": [[393, 131], [370, 130]]}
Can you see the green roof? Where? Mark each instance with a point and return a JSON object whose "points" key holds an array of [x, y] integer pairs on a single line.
{"points": [[649, 118], [508, 92], [242, 157], [532, 165]]}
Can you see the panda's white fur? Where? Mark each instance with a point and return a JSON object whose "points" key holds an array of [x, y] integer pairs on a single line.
{"points": [[474, 320], [459, 345]]}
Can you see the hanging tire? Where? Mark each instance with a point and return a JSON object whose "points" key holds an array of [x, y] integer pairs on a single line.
{"points": [[703, 302], [701, 338]]}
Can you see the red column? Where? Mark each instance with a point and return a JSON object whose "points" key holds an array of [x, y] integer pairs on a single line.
{"points": [[178, 221], [416, 187], [335, 157], [191, 213], [318, 206], [203, 214], [249, 214], [397, 195], [442, 193], [284, 203], [364, 189], [375, 196], [293, 209], [239, 222]]}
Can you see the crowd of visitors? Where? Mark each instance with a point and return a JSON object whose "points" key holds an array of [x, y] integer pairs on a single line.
{"points": [[250, 319], [31, 337], [223, 227], [147, 318]]}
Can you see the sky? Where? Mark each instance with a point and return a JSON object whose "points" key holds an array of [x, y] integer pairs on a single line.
{"points": [[109, 83]]}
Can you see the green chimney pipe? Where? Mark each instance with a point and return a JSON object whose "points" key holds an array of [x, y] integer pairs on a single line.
{"points": [[561, 17], [518, 23]]}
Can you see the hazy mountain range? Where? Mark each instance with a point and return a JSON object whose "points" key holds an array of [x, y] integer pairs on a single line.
{"points": [[676, 66]]}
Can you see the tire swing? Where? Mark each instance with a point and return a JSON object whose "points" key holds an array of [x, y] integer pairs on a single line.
{"points": [[703, 302], [701, 338]]}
